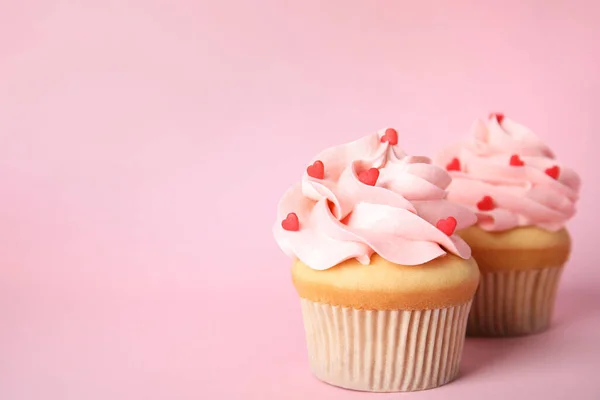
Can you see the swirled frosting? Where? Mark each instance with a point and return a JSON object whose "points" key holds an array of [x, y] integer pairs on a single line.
{"points": [[509, 177], [340, 217]]}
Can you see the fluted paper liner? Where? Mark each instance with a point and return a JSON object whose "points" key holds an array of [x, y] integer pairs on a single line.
{"points": [[514, 302], [384, 351]]}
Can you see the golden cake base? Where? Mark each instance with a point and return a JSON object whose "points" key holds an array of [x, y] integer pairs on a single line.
{"points": [[520, 272]]}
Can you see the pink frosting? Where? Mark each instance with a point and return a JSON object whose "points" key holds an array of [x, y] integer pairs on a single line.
{"points": [[342, 218], [522, 195]]}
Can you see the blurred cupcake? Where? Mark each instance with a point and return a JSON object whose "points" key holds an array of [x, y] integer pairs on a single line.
{"points": [[385, 285], [523, 197]]}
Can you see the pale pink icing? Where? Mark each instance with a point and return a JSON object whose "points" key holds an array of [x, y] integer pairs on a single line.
{"points": [[342, 218], [522, 195]]}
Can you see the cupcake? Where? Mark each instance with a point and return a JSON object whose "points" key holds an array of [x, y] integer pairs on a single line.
{"points": [[385, 284], [522, 197]]}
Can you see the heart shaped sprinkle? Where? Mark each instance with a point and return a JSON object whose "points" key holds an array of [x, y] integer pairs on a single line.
{"points": [[291, 223], [486, 204], [447, 225], [369, 177], [553, 171], [390, 136], [499, 117], [317, 170], [453, 165], [516, 161]]}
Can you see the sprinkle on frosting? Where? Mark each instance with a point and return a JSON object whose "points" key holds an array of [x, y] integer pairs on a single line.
{"points": [[369, 177], [515, 161], [447, 225], [316, 170], [486, 204], [497, 116], [553, 171], [391, 136], [539, 193], [396, 216], [453, 165], [291, 223]]}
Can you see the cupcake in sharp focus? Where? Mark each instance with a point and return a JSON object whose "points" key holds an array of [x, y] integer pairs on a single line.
{"points": [[523, 197], [385, 284]]}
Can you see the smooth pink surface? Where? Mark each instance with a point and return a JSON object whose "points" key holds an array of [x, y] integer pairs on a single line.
{"points": [[143, 148]]}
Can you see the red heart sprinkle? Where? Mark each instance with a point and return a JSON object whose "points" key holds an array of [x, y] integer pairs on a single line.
{"points": [[516, 161], [317, 170], [453, 165], [369, 177], [486, 204], [447, 225], [499, 117], [553, 171], [390, 136], [291, 223]]}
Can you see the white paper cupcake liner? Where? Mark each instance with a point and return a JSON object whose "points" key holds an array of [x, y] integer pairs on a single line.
{"points": [[384, 351], [514, 302]]}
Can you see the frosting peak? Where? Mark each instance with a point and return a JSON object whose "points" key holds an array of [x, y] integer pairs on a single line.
{"points": [[368, 196], [509, 177]]}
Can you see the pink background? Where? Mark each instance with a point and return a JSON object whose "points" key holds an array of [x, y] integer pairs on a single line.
{"points": [[144, 145]]}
